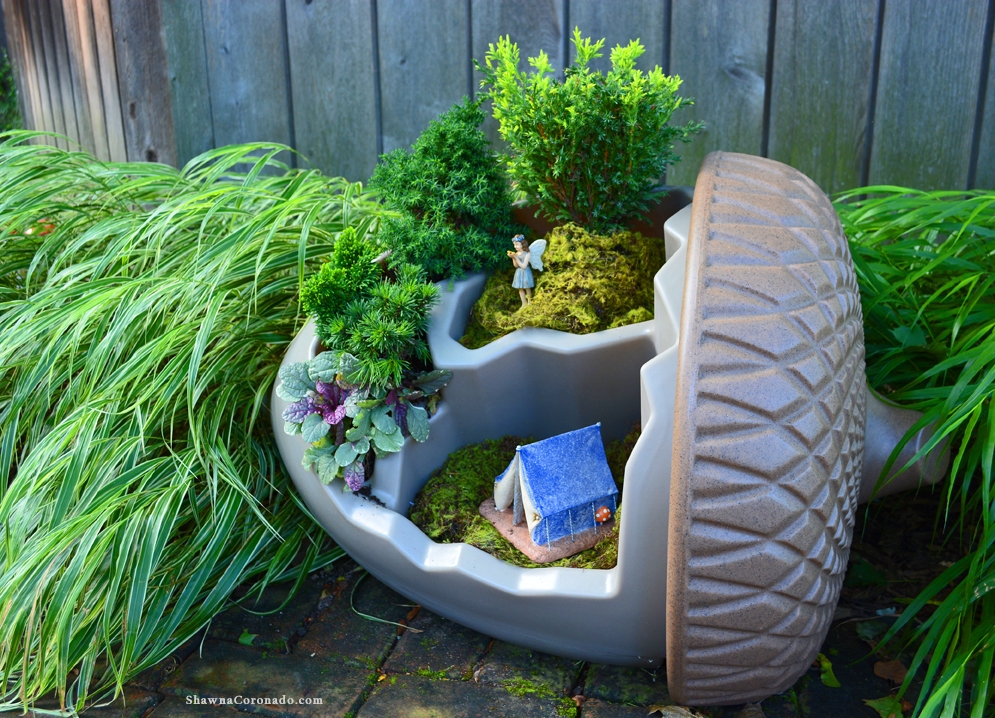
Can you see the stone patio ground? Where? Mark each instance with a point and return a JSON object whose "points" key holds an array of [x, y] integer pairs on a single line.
{"points": [[320, 647]]}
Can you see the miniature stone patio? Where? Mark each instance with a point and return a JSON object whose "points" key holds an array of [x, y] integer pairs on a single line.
{"points": [[319, 647]]}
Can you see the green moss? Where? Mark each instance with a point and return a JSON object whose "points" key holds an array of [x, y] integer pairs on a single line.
{"points": [[439, 675], [522, 687], [591, 282], [447, 508]]}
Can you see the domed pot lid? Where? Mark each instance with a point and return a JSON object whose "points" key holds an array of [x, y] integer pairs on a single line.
{"points": [[768, 435]]}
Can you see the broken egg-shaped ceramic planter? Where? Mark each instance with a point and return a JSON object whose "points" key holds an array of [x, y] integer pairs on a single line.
{"points": [[740, 493]]}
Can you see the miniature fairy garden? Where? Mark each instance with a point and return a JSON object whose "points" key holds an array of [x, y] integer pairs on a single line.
{"points": [[590, 151]]}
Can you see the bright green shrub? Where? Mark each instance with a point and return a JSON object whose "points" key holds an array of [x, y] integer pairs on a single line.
{"points": [[453, 197], [379, 318], [593, 148], [348, 272]]}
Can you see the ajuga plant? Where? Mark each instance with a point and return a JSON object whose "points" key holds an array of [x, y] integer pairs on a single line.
{"points": [[593, 148], [926, 267], [379, 317], [345, 420], [144, 312], [363, 396], [452, 196]]}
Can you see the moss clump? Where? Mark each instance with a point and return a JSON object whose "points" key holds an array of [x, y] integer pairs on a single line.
{"points": [[447, 508], [591, 282]]}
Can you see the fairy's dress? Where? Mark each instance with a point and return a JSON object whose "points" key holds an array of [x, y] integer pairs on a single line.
{"points": [[523, 276]]}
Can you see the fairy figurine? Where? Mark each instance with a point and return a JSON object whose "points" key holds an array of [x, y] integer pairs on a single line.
{"points": [[525, 258]]}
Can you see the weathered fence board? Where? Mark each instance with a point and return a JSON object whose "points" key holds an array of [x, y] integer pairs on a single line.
{"points": [[86, 76], [423, 64], [985, 176], [48, 77], [143, 78], [720, 51], [618, 23], [848, 91], [53, 25], [334, 93], [247, 71], [823, 61], [183, 22], [930, 65], [18, 49], [535, 25], [108, 79]]}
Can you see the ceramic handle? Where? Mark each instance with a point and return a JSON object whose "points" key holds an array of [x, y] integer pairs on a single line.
{"points": [[886, 425]]}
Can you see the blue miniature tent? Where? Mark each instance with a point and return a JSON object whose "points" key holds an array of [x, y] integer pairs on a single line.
{"points": [[557, 485]]}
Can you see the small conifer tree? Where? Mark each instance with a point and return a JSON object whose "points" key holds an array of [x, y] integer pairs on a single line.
{"points": [[452, 195], [378, 317]]}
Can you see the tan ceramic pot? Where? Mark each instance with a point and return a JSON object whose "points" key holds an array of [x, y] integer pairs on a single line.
{"points": [[759, 438]]}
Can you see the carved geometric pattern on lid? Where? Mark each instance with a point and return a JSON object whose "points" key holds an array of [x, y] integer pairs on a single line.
{"points": [[769, 433]]}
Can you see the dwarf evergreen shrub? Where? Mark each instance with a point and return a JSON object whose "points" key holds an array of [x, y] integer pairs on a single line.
{"points": [[453, 197], [379, 318], [593, 148]]}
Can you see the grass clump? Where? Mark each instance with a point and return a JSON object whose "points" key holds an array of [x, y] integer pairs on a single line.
{"points": [[447, 508], [452, 196], [591, 282], [925, 262], [141, 330]]}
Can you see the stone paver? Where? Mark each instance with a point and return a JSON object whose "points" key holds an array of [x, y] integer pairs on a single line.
{"points": [[276, 630], [513, 666], [593, 708], [174, 707], [341, 635], [134, 703], [420, 697], [442, 648], [626, 685], [232, 671]]}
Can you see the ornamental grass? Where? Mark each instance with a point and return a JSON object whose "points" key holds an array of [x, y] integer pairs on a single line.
{"points": [[144, 312], [925, 262]]}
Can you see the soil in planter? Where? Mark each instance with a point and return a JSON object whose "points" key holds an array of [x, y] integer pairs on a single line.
{"points": [[591, 282], [446, 509]]}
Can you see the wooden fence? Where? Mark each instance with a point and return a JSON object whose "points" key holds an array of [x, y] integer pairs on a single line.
{"points": [[851, 92]]}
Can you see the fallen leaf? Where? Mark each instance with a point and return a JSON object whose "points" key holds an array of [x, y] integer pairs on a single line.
{"points": [[887, 707], [751, 710], [673, 711], [826, 667], [246, 638], [893, 671]]}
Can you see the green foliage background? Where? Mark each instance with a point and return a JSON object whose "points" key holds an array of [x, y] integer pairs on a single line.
{"points": [[10, 114]]}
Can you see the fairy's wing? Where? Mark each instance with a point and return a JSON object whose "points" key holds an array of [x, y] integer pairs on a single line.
{"points": [[535, 251]]}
